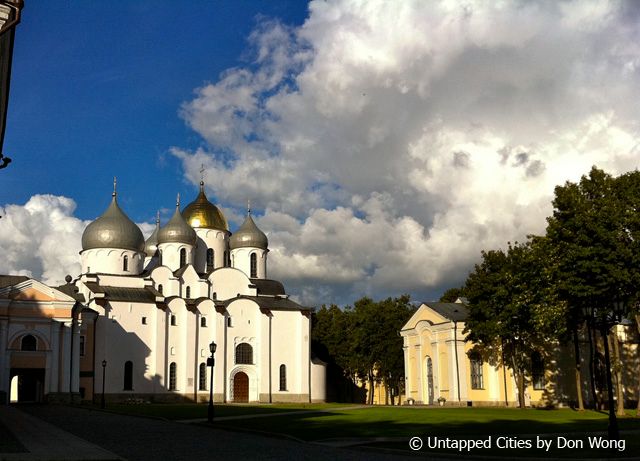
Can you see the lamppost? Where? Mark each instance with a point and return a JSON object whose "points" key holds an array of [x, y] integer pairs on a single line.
{"points": [[104, 367], [605, 319], [211, 362]]}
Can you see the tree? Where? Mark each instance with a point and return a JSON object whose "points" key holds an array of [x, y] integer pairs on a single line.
{"points": [[512, 309], [451, 295]]}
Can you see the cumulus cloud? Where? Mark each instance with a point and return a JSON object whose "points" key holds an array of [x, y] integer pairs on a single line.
{"points": [[389, 142], [42, 239]]}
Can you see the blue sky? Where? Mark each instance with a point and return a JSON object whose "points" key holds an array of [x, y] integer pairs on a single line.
{"points": [[96, 91], [383, 145]]}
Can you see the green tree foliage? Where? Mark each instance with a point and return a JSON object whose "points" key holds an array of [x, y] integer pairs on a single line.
{"points": [[513, 312], [363, 341], [451, 295]]}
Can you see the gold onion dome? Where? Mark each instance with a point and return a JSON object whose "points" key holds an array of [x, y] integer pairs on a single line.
{"points": [[113, 229], [202, 213], [177, 230], [151, 245], [248, 235]]}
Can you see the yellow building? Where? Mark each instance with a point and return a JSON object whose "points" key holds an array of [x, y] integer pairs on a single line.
{"points": [[442, 369]]}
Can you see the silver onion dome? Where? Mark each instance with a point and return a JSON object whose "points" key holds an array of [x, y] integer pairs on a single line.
{"points": [[248, 235], [177, 230], [151, 245], [113, 229]]}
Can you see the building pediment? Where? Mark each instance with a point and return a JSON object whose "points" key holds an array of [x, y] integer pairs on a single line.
{"points": [[32, 290]]}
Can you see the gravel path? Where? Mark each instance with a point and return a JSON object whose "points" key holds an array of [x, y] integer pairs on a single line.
{"points": [[142, 439]]}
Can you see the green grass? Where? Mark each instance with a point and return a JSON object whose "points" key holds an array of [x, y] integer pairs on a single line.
{"points": [[8, 443], [195, 411], [402, 423]]}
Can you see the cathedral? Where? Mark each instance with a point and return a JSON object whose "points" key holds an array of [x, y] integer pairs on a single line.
{"points": [[144, 319]]}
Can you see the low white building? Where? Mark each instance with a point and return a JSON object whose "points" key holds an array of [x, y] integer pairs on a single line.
{"points": [[161, 303]]}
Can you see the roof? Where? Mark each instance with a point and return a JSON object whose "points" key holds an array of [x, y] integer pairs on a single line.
{"points": [[10, 280], [456, 312], [276, 303], [71, 290], [268, 287], [144, 295]]}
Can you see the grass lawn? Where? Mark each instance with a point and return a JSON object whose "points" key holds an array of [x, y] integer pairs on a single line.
{"points": [[331, 422], [195, 411], [8, 443]]}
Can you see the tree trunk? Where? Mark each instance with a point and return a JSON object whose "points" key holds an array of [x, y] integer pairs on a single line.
{"points": [[371, 388], [520, 379], [592, 371], [576, 345], [617, 370]]}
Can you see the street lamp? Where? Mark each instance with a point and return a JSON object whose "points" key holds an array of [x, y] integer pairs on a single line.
{"points": [[211, 362], [604, 320], [104, 367]]}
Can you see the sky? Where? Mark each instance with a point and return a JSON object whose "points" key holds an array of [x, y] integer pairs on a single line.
{"points": [[383, 145]]}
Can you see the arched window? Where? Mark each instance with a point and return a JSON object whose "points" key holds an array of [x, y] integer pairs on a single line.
{"points": [[29, 343], [203, 322], [173, 320], [283, 377], [244, 353], [537, 371], [172, 376], [477, 379], [188, 293], [125, 263], [183, 257], [254, 265], [128, 376], [203, 377], [209, 259], [160, 288]]}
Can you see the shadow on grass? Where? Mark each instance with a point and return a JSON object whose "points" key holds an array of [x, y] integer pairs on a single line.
{"points": [[476, 423]]}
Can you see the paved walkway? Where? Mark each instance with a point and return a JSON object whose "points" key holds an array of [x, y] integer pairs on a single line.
{"points": [[45, 441], [145, 439]]}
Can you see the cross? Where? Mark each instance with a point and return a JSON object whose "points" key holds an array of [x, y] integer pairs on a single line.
{"points": [[202, 170], [114, 186]]}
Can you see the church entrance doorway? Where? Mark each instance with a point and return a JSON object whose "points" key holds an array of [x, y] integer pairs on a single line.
{"points": [[241, 387], [27, 385]]}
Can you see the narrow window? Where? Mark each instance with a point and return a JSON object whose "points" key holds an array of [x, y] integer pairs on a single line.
{"points": [[82, 343], [160, 288], [29, 343], [229, 323], [203, 377], [209, 259], [128, 376], [254, 265], [537, 371], [477, 380], [125, 263], [172, 376], [188, 293], [144, 320], [183, 257], [244, 354], [173, 320], [283, 377], [203, 322]]}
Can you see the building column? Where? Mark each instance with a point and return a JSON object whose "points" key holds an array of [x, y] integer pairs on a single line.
{"points": [[52, 374], [66, 355], [75, 354]]}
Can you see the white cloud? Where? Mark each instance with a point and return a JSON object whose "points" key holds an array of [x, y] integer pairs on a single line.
{"points": [[42, 239], [389, 142]]}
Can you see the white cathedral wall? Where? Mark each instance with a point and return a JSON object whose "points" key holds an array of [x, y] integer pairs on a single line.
{"points": [[290, 347], [214, 239], [171, 254], [227, 283], [245, 328], [111, 261], [241, 259]]}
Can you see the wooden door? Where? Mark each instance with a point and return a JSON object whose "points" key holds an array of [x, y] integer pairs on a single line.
{"points": [[241, 387]]}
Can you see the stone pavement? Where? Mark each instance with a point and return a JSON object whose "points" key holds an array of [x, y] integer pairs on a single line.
{"points": [[45, 441], [143, 439]]}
